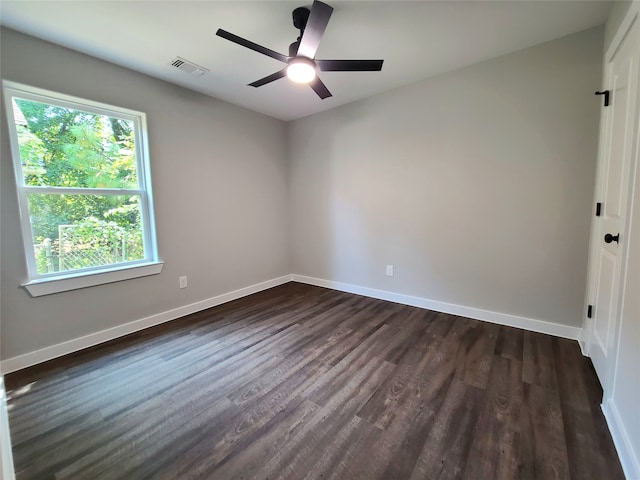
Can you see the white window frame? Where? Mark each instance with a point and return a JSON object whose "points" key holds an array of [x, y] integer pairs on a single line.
{"points": [[45, 284]]}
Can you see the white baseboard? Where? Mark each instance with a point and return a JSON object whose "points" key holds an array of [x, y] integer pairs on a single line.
{"points": [[6, 455], [540, 326], [583, 346], [33, 358], [628, 458]]}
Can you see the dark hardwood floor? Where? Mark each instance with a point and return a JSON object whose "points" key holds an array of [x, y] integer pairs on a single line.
{"points": [[301, 382]]}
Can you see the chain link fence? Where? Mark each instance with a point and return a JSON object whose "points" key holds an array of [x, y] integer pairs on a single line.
{"points": [[81, 246], [77, 250]]}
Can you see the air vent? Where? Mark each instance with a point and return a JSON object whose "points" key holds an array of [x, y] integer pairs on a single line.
{"points": [[189, 67]]}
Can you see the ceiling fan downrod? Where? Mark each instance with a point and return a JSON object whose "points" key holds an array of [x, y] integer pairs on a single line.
{"points": [[300, 16]]}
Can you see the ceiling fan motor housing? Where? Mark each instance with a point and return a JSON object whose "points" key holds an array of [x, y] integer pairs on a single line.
{"points": [[300, 16]]}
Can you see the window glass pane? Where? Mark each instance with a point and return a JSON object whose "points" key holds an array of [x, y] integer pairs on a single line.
{"points": [[65, 147], [82, 231]]}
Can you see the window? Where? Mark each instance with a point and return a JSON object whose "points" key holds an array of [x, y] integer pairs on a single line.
{"points": [[82, 175]]}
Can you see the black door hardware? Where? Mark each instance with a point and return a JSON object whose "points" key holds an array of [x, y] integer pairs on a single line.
{"points": [[608, 238], [606, 97]]}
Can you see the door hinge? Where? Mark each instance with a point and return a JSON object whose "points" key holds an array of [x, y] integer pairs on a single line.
{"points": [[589, 311], [606, 94], [598, 209]]}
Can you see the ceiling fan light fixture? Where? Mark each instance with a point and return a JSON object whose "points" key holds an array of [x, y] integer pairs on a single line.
{"points": [[301, 70], [301, 66]]}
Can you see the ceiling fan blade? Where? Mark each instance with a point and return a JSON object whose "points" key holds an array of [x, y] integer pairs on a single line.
{"points": [[253, 46], [349, 65], [316, 25], [320, 88], [269, 78]]}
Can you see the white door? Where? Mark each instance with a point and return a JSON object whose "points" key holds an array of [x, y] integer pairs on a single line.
{"points": [[613, 191]]}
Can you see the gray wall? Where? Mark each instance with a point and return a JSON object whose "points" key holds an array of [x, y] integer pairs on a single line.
{"points": [[476, 185], [219, 176]]}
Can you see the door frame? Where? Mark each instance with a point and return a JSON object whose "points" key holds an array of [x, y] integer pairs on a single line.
{"points": [[6, 454], [631, 18]]}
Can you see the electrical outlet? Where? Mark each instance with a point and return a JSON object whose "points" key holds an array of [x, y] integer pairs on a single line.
{"points": [[182, 282], [389, 270]]}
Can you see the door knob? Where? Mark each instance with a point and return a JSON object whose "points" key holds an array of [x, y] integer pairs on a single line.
{"points": [[608, 238]]}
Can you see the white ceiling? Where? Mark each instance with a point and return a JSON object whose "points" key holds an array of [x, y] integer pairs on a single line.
{"points": [[416, 39]]}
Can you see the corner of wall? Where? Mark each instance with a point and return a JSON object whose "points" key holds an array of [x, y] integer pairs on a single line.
{"points": [[616, 16]]}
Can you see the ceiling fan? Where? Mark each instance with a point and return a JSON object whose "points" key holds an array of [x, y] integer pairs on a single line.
{"points": [[302, 66]]}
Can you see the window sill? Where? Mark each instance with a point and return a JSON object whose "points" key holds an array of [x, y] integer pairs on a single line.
{"points": [[47, 286]]}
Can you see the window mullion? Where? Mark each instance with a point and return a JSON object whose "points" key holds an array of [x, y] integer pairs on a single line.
{"points": [[81, 191]]}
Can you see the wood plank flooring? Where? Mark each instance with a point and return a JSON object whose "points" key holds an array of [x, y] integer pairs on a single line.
{"points": [[300, 382]]}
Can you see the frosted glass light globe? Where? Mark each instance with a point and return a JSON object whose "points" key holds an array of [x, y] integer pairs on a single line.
{"points": [[301, 71]]}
